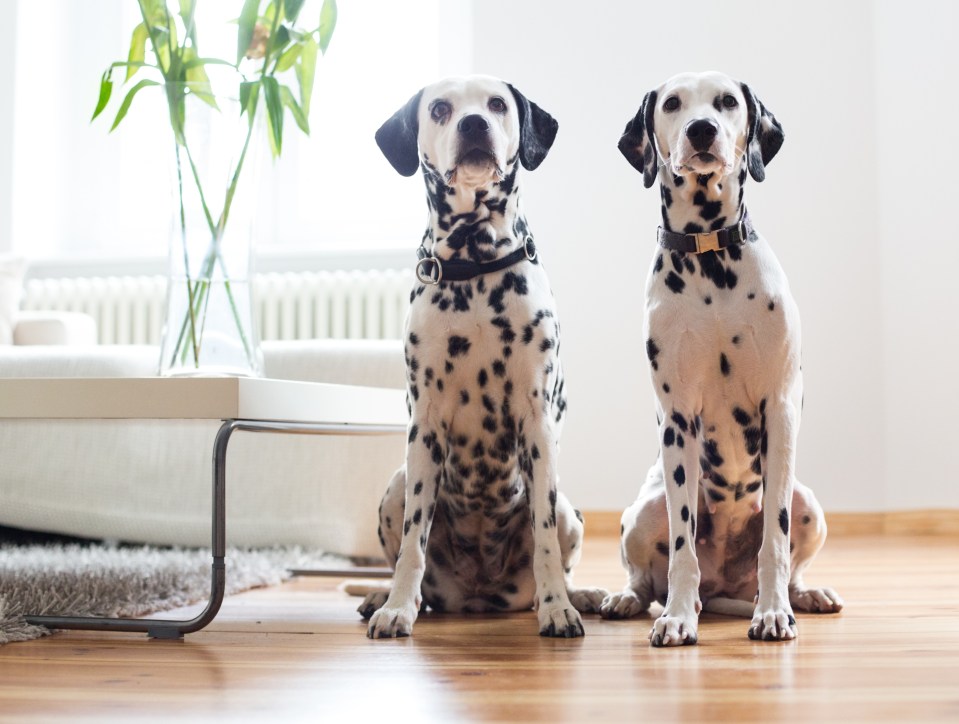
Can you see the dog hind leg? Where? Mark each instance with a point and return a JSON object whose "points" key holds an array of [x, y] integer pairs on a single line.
{"points": [[570, 526], [807, 535], [390, 530]]}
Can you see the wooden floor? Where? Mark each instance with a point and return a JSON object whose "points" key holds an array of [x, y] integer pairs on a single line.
{"points": [[298, 653]]}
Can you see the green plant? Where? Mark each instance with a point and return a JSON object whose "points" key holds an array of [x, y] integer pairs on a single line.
{"points": [[269, 34]]}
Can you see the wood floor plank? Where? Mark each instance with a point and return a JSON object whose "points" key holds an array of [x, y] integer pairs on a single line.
{"points": [[298, 652]]}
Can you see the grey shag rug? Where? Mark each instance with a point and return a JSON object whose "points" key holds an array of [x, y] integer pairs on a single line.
{"points": [[77, 579]]}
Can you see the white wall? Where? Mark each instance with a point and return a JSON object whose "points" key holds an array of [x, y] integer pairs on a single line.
{"points": [[917, 97], [8, 51], [831, 207]]}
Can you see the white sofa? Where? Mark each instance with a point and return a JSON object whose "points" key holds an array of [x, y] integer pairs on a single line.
{"points": [[150, 481]]}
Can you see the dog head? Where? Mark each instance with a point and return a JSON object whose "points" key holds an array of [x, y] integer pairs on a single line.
{"points": [[469, 130], [700, 124]]}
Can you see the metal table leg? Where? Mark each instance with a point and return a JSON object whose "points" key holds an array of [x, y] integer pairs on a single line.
{"points": [[174, 629]]}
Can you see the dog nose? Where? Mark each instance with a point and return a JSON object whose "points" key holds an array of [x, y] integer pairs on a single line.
{"points": [[701, 133], [472, 124]]}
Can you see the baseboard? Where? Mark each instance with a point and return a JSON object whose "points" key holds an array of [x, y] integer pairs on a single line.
{"points": [[897, 522]]}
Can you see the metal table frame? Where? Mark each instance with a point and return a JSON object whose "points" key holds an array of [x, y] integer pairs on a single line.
{"points": [[175, 629]]}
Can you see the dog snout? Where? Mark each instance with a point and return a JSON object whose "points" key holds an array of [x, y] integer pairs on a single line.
{"points": [[701, 133], [473, 126]]}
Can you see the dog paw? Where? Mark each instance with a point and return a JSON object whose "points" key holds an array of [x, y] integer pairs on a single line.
{"points": [[622, 605], [559, 621], [587, 600], [671, 630], [773, 625], [816, 600], [389, 622], [372, 603]]}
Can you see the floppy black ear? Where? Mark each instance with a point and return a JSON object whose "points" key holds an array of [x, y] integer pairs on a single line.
{"points": [[397, 137], [764, 137], [637, 143], [537, 131]]}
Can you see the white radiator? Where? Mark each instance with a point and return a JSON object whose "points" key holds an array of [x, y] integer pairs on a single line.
{"points": [[293, 305]]}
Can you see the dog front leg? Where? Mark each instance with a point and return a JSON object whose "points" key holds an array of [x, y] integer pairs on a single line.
{"points": [[678, 623], [773, 618], [538, 455], [425, 455]]}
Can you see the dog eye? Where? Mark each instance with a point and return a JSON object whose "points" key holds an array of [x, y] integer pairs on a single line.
{"points": [[671, 104], [440, 110], [497, 105], [729, 101]]}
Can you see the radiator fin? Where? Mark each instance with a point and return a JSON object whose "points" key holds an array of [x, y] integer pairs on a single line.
{"points": [[291, 305]]}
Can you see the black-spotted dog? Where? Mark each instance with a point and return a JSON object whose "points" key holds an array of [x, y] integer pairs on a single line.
{"points": [[722, 337], [473, 522]]}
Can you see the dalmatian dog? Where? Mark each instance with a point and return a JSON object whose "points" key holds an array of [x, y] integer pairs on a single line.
{"points": [[473, 521], [723, 338]]}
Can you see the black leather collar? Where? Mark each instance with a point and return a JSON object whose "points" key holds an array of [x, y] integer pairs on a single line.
{"points": [[708, 241], [433, 270]]}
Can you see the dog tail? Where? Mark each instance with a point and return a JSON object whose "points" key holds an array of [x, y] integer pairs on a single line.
{"points": [[730, 607], [364, 588]]}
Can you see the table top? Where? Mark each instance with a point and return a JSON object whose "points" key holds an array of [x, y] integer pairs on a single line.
{"points": [[215, 398]]}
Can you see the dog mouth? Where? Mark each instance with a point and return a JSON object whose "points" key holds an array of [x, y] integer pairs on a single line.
{"points": [[705, 157], [476, 157], [476, 165]]}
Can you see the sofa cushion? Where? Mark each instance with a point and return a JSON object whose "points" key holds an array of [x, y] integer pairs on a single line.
{"points": [[11, 286], [149, 480]]}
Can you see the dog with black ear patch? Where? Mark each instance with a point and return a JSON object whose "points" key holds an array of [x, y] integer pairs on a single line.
{"points": [[473, 522], [721, 522]]}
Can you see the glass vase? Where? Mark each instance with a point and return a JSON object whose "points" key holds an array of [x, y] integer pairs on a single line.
{"points": [[209, 327]]}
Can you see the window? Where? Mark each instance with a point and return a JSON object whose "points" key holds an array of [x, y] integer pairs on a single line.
{"points": [[83, 193]]}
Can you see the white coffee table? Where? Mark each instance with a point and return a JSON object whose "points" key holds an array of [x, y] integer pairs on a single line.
{"points": [[251, 405]]}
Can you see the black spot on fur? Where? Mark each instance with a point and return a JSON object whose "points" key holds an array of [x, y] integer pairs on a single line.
{"points": [[679, 475], [784, 520], [675, 283], [680, 421], [457, 345], [741, 416], [684, 513], [724, 365], [669, 437], [680, 541], [651, 351]]}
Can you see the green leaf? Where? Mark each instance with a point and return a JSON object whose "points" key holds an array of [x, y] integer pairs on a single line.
{"points": [[138, 45], [291, 8], [274, 112], [246, 22], [196, 78], [194, 61], [125, 106], [290, 102], [106, 89], [288, 58], [327, 23], [176, 103], [249, 94], [306, 72], [279, 39], [187, 12]]}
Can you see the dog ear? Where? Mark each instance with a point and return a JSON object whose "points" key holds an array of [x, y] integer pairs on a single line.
{"points": [[397, 138], [638, 143], [764, 136], [537, 131]]}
